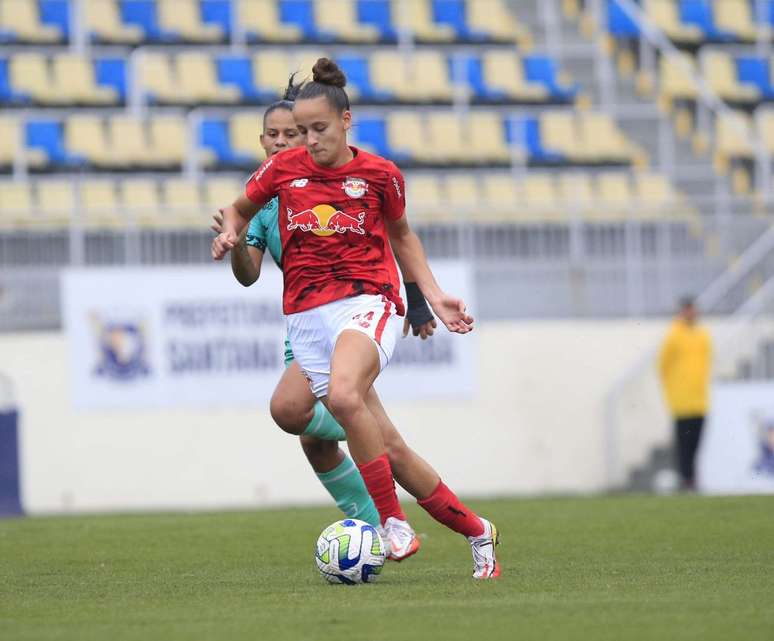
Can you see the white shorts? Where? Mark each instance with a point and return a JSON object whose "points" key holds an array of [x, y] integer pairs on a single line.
{"points": [[313, 333]]}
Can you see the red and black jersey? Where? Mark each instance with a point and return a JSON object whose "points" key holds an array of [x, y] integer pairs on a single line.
{"points": [[332, 225]]}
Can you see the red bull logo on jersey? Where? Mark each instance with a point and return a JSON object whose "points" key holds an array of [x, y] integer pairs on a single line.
{"points": [[354, 187], [324, 220]]}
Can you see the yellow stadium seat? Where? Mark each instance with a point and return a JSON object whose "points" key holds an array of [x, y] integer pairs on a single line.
{"points": [[158, 80], [10, 139], [446, 138], [103, 19], [501, 197], [261, 18], [541, 198], [765, 128], [462, 195], [22, 18], [667, 17], [15, 203], [85, 135], [406, 134], [198, 79], [340, 17], [654, 194], [99, 205], [720, 71], [486, 139], [128, 141], [602, 140], [183, 16], [183, 204], [417, 16], [169, 141], [614, 195], [75, 82], [222, 191], [271, 70], [676, 83], [389, 72], [429, 76], [503, 70], [140, 200], [733, 136], [423, 197], [735, 16], [559, 133], [56, 201], [493, 18], [29, 73], [244, 134], [577, 193]]}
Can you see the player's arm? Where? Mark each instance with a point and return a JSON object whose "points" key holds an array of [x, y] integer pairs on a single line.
{"points": [[418, 314], [247, 255]]}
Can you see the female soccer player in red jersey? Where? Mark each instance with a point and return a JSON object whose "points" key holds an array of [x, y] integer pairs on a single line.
{"points": [[340, 209]]}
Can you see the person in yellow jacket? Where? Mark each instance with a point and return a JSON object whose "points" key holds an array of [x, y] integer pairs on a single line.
{"points": [[685, 364]]}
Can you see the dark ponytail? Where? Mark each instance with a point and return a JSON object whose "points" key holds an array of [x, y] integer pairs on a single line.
{"points": [[286, 102], [329, 81]]}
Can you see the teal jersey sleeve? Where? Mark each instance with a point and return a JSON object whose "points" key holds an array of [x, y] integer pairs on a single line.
{"points": [[263, 232]]}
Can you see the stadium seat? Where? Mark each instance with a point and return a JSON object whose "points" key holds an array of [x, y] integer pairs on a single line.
{"points": [[340, 18], [103, 20], [85, 137], [493, 19], [602, 141], [542, 70], [128, 142], [423, 197], [720, 71], [454, 14], [389, 74], [244, 137], [56, 201], [541, 199], [406, 136], [260, 20], [755, 71], [169, 144], [29, 74], [183, 204], [215, 145], [462, 195], [185, 18], [614, 197], [8, 93], [675, 81], [577, 192], [504, 71], [271, 69], [237, 71], [486, 140], [429, 77], [765, 128], [417, 17], [701, 14], [657, 197], [359, 85], [15, 200], [733, 136], [446, 138], [502, 196], [371, 134], [378, 13], [221, 191], [45, 148], [198, 78], [10, 141], [98, 205], [44, 22], [157, 80], [667, 17], [75, 82], [559, 136], [140, 200], [144, 15], [735, 16]]}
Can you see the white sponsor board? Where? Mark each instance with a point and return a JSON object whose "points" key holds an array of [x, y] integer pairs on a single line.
{"points": [[194, 337], [737, 449]]}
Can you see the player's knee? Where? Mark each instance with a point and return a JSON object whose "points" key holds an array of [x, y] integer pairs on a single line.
{"points": [[344, 400], [286, 415]]}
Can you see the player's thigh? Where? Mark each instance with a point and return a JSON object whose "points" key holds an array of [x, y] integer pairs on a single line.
{"points": [[354, 367], [292, 404]]}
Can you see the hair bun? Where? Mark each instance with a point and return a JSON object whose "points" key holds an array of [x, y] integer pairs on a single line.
{"points": [[327, 72]]}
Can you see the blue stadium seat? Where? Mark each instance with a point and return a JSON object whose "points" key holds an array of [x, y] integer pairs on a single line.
{"points": [[525, 132], [111, 72], [214, 135], [378, 14], [452, 12], [358, 73], [301, 14], [56, 13], [699, 13], [474, 75], [238, 70], [619, 23], [47, 135], [218, 12], [755, 71], [7, 93], [764, 14], [373, 132], [543, 69], [143, 14]]}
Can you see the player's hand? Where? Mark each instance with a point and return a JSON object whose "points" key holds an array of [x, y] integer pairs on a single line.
{"points": [[223, 243], [423, 331], [217, 226], [452, 313]]}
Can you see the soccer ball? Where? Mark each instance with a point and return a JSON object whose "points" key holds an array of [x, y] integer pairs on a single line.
{"points": [[350, 551]]}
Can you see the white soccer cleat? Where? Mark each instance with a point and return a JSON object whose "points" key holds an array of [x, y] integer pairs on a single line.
{"points": [[401, 541], [485, 564]]}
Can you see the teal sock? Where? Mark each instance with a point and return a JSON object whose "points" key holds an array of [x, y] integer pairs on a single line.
{"points": [[324, 426], [347, 488]]}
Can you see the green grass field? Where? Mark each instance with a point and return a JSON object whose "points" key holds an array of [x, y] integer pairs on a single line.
{"points": [[602, 568]]}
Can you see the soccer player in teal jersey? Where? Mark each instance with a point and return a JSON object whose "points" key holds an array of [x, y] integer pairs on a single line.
{"points": [[293, 406]]}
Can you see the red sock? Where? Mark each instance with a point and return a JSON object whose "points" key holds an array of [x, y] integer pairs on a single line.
{"points": [[377, 475], [444, 506]]}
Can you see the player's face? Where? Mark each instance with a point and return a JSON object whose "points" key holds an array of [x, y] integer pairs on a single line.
{"points": [[325, 129], [280, 132]]}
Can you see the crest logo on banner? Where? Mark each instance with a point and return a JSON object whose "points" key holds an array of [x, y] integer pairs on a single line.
{"points": [[122, 347], [764, 463]]}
